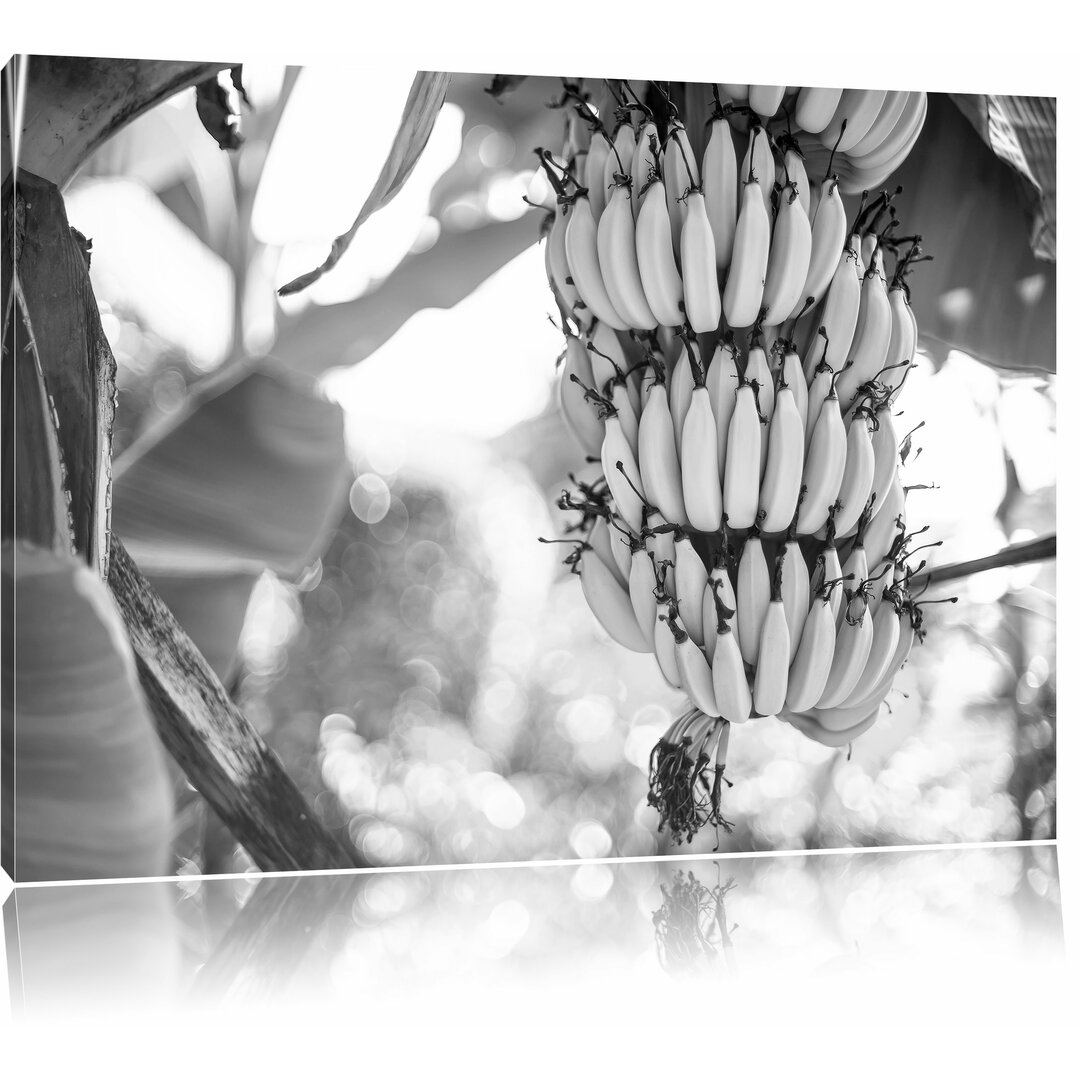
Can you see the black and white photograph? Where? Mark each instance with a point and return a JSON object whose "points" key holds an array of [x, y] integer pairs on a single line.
{"points": [[469, 529]]}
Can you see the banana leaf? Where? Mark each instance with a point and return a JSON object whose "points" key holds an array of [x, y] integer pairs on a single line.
{"points": [[91, 791], [253, 474]]}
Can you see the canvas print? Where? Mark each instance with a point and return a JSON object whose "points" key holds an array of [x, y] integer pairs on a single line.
{"points": [[545, 467]]}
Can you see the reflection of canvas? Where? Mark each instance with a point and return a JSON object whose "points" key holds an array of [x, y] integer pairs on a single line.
{"points": [[338, 493]]}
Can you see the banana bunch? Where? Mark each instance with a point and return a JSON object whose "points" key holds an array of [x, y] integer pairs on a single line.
{"points": [[736, 344]]}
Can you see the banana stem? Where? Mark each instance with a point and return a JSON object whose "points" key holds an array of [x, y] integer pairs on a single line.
{"points": [[1045, 547]]}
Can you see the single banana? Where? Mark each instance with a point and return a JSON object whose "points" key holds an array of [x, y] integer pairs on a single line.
{"points": [[824, 468], [620, 159], [796, 591], [856, 571], [902, 333], [622, 482], [584, 261], [886, 445], [718, 584], [735, 91], [873, 331], [609, 602], [617, 254], [579, 415], [658, 459], [839, 315], [690, 586], [664, 642], [702, 493], [765, 100], [759, 161], [757, 370], [694, 671], [680, 387], [741, 468], [791, 374], [853, 642], [754, 590], [599, 540], [660, 543], [885, 639], [860, 108], [642, 585], [795, 174], [559, 269], [815, 107], [884, 124], [828, 569], [858, 480], [656, 257], [619, 537], [789, 259], [745, 284], [827, 237], [879, 535], [730, 688], [774, 652], [606, 354], [597, 176], [813, 656], [720, 186], [821, 383], [643, 163], [680, 175], [701, 287], [722, 382], [784, 466]]}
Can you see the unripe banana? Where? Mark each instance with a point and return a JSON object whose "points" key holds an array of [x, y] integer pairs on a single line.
{"points": [[813, 656], [758, 370], [796, 592], [902, 335], [765, 100], [754, 590], [722, 382], [826, 245], [791, 373], [658, 458], [856, 571], [680, 387], [720, 186], [735, 91], [559, 269], [886, 445], [701, 288], [680, 175], [741, 469], [824, 468], [607, 355], [795, 172], [584, 262], [616, 449], [619, 542], [838, 317], [884, 124], [690, 586], [784, 466], [700, 474], [597, 176], [610, 602], [853, 642], [642, 585], [661, 546], [628, 421], [816, 106], [840, 727], [860, 108], [710, 622], [656, 258], [885, 639], [821, 382], [664, 643], [789, 259], [883, 576], [828, 569], [599, 541], [879, 535], [749, 258], [858, 478], [730, 688], [579, 415], [873, 331], [643, 163], [617, 253], [774, 651], [620, 158], [759, 160], [694, 671]]}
